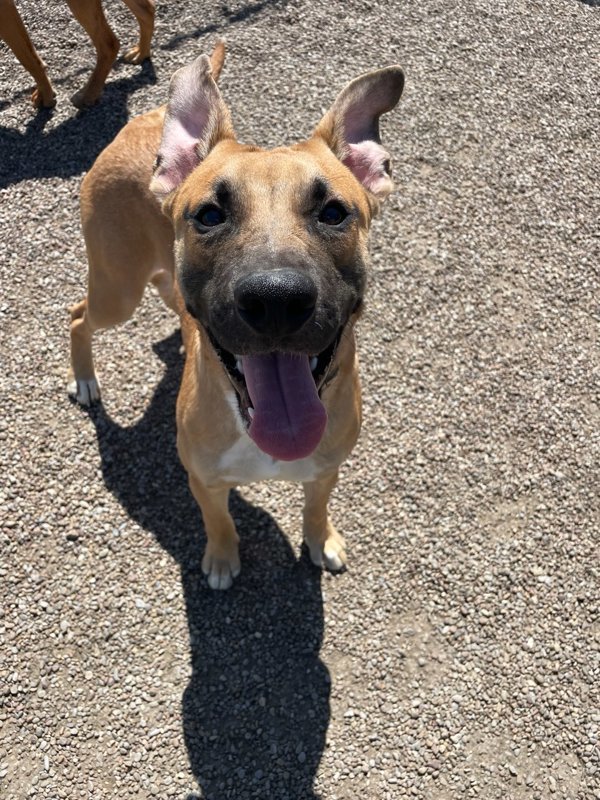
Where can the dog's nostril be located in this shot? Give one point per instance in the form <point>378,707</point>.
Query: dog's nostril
<point>278,302</point>
<point>251,305</point>
<point>253,312</point>
<point>300,309</point>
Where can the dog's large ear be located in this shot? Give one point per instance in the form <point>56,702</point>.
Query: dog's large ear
<point>351,127</point>
<point>195,120</point>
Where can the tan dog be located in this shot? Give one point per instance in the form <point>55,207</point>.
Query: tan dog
<point>90,16</point>
<point>270,263</point>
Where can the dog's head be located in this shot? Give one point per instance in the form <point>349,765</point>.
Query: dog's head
<point>271,245</point>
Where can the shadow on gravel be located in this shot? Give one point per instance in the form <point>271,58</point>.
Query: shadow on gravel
<point>256,710</point>
<point>230,17</point>
<point>71,147</point>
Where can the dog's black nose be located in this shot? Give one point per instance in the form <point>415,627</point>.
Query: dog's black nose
<point>277,302</point>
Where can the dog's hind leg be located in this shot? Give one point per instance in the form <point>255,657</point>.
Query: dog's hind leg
<point>112,298</point>
<point>83,384</point>
<point>14,33</point>
<point>164,282</point>
<point>91,17</point>
<point>144,13</point>
<point>325,544</point>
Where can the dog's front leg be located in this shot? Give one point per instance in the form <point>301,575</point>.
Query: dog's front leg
<point>325,544</point>
<point>221,562</point>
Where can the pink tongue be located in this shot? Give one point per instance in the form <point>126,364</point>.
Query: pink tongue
<point>289,419</point>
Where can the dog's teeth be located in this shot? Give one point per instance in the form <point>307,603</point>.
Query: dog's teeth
<point>239,366</point>
<point>250,412</point>
<point>313,363</point>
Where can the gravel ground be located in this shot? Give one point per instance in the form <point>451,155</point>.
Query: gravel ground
<point>459,655</point>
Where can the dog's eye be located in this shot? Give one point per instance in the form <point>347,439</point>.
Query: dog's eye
<point>210,216</point>
<point>333,213</point>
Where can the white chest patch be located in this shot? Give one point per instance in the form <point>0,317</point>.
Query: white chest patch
<point>245,463</point>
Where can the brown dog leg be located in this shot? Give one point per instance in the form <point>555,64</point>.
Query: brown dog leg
<point>165,284</point>
<point>112,298</point>
<point>14,33</point>
<point>91,17</point>
<point>83,384</point>
<point>326,545</point>
<point>221,562</point>
<point>144,13</point>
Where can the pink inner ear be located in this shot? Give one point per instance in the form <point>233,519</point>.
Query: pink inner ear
<point>193,97</point>
<point>178,157</point>
<point>366,162</point>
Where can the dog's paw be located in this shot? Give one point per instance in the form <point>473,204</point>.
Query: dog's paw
<point>220,570</point>
<point>85,392</point>
<point>85,98</point>
<point>331,553</point>
<point>136,55</point>
<point>46,99</point>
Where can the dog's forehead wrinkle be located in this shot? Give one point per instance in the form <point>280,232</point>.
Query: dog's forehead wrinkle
<point>284,178</point>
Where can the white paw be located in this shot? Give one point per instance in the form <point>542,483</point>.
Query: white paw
<point>85,392</point>
<point>220,571</point>
<point>331,554</point>
<point>334,557</point>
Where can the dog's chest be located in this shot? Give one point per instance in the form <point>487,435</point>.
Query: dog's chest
<point>243,462</point>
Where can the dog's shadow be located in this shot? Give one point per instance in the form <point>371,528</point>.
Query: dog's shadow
<point>256,710</point>
<point>71,147</point>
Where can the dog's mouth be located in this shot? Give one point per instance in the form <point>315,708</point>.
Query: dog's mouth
<point>279,399</point>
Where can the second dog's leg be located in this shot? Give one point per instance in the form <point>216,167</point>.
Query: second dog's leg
<point>14,33</point>
<point>221,562</point>
<point>144,13</point>
<point>325,544</point>
<point>91,17</point>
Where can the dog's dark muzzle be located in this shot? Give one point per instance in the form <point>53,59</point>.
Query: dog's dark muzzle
<point>276,332</point>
